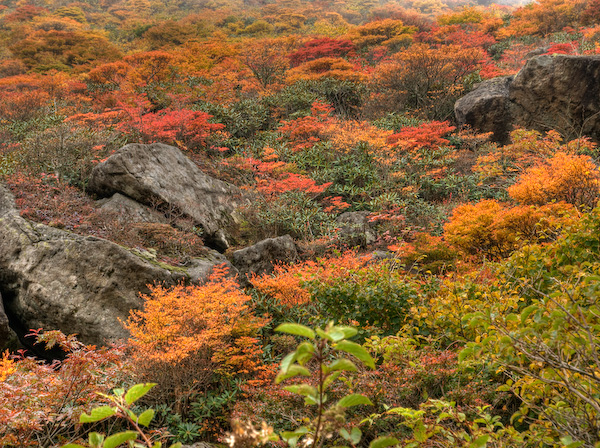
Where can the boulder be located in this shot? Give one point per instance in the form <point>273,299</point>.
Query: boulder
<point>486,108</point>
<point>163,175</point>
<point>127,210</point>
<point>355,228</point>
<point>53,279</point>
<point>262,257</point>
<point>559,92</point>
<point>199,269</point>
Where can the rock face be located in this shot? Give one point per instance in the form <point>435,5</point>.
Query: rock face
<point>53,279</point>
<point>8,338</point>
<point>162,174</point>
<point>262,257</point>
<point>487,108</point>
<point>550,92</point>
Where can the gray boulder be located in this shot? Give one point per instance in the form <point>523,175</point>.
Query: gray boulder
<point>128,210</point>
<point>163,175</point>
<point>559,92</point>
<point>355,228</point>
<point>54,279</point>
<point>199,269</point>
<point>262,257</point>
<point>486,108</point>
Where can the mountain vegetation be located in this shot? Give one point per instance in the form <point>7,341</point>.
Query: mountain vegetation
<point>444,291</point>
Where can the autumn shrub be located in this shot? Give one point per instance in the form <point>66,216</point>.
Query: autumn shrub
<point>321,48</point>
<point>539,328</point>
<point>242,119</point>
<point>40,402</point>
<point>423,79</point>
<point>376,296</point>
<point>171,243</point>
<point>48,200</point>
<point>66,150</point>
<point>490,229</point>
<point>428,254</point>
<point>563,177</point>
<point>193,339</point>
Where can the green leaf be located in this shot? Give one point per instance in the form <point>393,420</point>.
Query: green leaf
<point>355,435</point>
<point>305,390</point>
<point>159,444</point>
<point>287,361</point>
<point>480,442</point>
<point>72,445</point>
<point>419,432</point>
<point>176,445</point>
<point>357,350</point>
<point>384,442</point>
<point>527,311</point>
<point>296,329</point>
<point>336,334</point>
<point>304,352</point>
<point>341,364</point>
<point>97,414</point>
<point>293,371</point>
<point>349,332</point>
<point>138,391</point>
<point>119,438</point>
<point>146,417</point>
<point>353,400</point>
<point>95,439</point>
<point>465,353</point>
<point>324,335</point>
<point>331,378</point>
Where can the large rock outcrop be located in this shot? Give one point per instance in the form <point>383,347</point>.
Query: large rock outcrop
<point>53,279</point>
<point>161,174</point>
<point>550,92</point>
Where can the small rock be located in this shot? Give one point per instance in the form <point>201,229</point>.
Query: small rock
<point>262,257</point>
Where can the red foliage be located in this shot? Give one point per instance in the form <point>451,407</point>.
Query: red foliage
<point>324,47</point>
<point>426,135</point>
<point>565,48</point>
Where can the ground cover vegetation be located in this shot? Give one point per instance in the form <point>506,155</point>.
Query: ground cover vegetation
<point>470,320</point>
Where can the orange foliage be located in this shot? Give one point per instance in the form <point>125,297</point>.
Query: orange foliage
<point>528,147</point>
<point>185,334</point>
<point>563,177</point>
<point>285,284</point>
<point>337,68</point>
<point>388,32</point>
<point>488,228</point>
<point>425,78</point>
<point>40,402</point>
<point>543,17</point>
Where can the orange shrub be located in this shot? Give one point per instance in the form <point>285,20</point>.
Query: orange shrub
<point>285,284</point>
<point>40,402</point>
<point>563,177</point>
<point>187,337</point>
<point>337,68</point>
<point>488,228</point>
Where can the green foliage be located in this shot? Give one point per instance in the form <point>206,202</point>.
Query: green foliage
<point>121,402</point>
<point>325,352</point>
<point>377,297</point>
<point>545,334</point>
